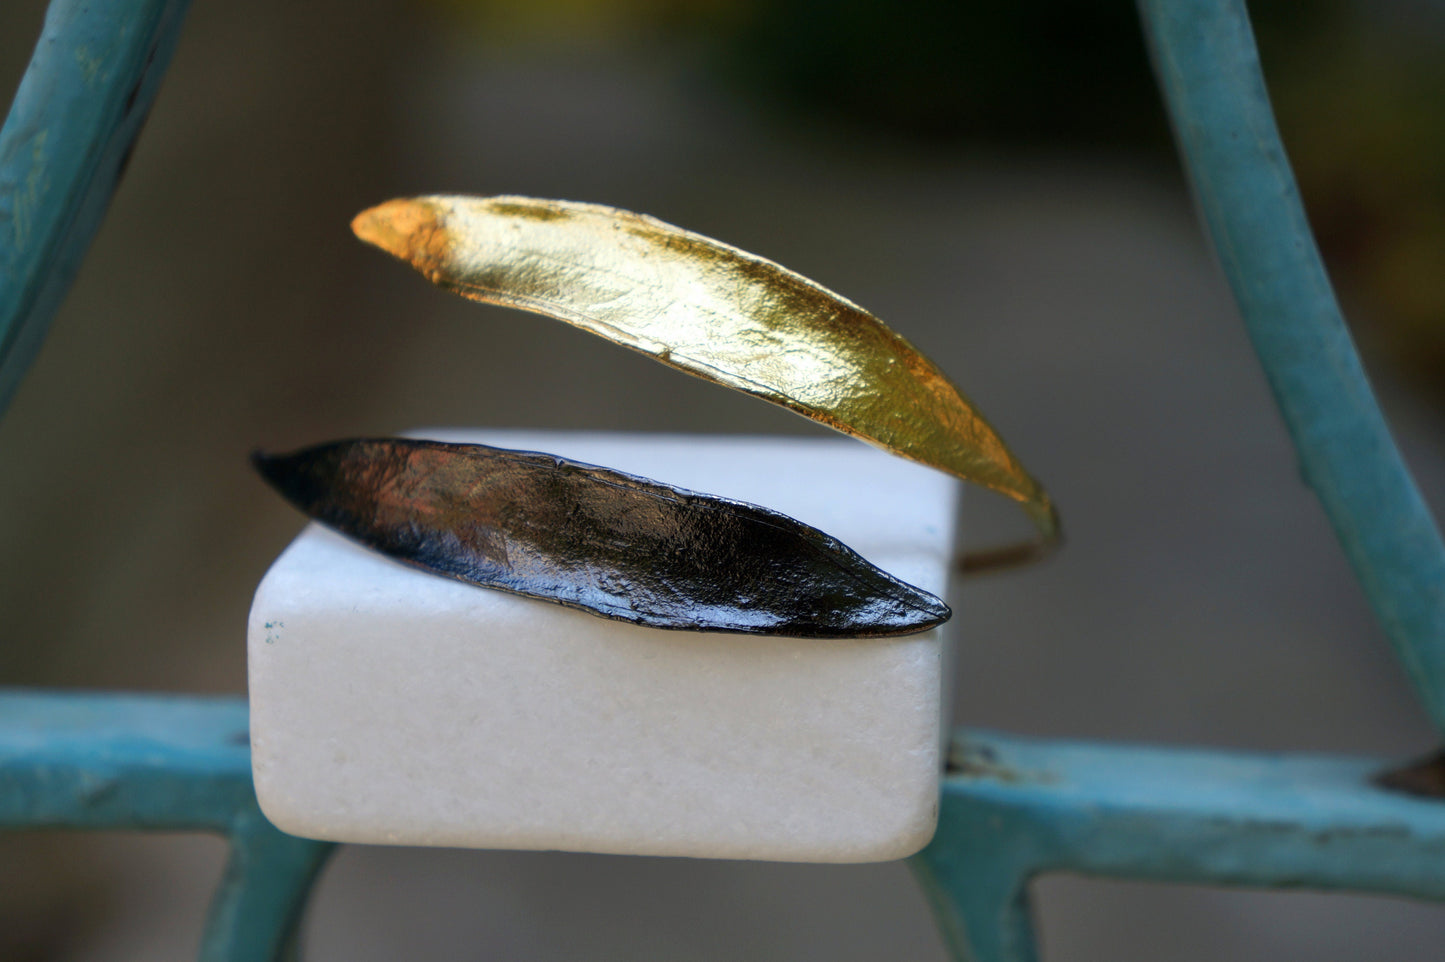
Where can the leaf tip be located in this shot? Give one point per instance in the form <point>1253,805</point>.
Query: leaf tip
<point>930,611</point>
<point>265,464</point>
<point>402,227</point>
<point>298,477</point>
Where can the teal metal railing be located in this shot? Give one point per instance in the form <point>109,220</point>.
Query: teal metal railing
<point>76,116</point>
<point>96,760</point>
<point>103,761</point>
<point>1013,808</point>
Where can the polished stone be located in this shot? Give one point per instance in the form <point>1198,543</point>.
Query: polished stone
<point>393,706</point>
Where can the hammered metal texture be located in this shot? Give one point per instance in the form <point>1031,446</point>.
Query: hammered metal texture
<point>587,537</point>
<point>711,310</point>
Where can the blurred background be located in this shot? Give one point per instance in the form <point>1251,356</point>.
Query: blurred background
<point>995,180</point>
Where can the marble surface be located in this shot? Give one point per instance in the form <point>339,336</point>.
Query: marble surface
<point>392,706</point>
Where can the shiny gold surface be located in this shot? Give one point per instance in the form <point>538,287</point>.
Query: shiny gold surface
<point>714,311</point>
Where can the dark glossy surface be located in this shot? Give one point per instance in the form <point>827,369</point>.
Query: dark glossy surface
<point>609,543</point>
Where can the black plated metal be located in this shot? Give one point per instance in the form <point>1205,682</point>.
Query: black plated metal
<point>609,543</point>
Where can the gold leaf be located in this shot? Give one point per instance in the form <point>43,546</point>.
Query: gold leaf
<point>716,312</point>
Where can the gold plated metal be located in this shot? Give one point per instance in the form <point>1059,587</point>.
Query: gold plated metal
<point>716,312</point>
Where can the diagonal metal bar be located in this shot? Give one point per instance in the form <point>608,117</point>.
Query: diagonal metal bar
<point>1016,807</point>
<point>1208,68</point>
<point>256,913</point>
<point>106,761</point>
<point>63,148</point>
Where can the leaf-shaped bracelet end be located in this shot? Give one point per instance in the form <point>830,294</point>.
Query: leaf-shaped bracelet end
<point>587,537</point>
<point>716,312</point>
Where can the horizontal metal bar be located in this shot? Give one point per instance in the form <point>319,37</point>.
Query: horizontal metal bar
<point>81,760</point>
<point>1016,807</point>
<point>114,761</point>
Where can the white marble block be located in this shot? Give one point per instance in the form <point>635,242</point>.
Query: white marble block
<point>393,706</point>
